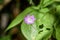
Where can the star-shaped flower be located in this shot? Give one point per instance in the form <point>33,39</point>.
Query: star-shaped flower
<point>29,19</point>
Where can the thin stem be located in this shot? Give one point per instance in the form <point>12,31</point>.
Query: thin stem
<point>31,2</point>
<point>40,4</point>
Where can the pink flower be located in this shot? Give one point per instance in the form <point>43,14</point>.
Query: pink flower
<point>29,19</point>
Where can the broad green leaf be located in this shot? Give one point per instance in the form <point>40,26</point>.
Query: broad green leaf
<point>45,35</point>
<point>30,31</point>
<point>6,38</point>
<point>19,18</point>
<point>47,20</point>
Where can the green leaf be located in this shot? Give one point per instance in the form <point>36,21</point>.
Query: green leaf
<point>47,20</point>
<point>44,10</point>
<point>1,1</point>
<point>40,5</point>
<point>57,29</point>
<point>19,18</point>
<point>30,31</point>
<point>57,0</point>
<point>45,35</point>
<point>58,32</point>
<point>58,9</point>
<point>6,38</point>
<point>47,2</point>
